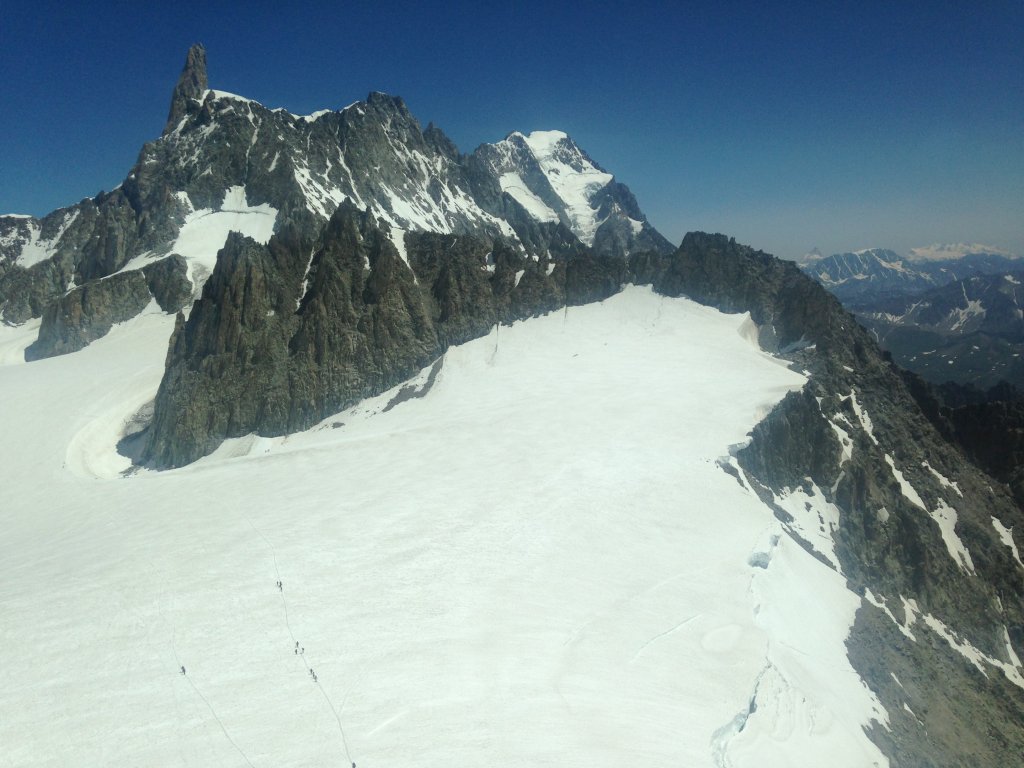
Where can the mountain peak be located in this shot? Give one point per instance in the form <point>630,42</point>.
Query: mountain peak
<point>943,251</point>
<point>883,254</point>
<point>191,85</point>
<point>541,141</point>
<point>379,98</point>
<point>811,256</point>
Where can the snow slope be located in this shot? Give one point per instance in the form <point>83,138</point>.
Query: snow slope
<point>530,558</point>
<point>205,231</point>
<point>573,177</point>
<point>554,180</point>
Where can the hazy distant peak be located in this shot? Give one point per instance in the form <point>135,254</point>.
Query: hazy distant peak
<point>937,251</point>
<point>811,256</point>
<point>885,254</point>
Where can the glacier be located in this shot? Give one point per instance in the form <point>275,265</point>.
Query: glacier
<point>537,559</point>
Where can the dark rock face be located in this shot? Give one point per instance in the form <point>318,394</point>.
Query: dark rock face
<point>992,435</point>
<point>27,292</point>
<point>291,332</point>
<point>230,356</point>
<point>959,716</point>
<point>190,85</point>
<point>85,242</point>
<point>288,333</point>
<point>88,312</point>
<point>167,280</point>
<point>987,426</point>
<point>794,442</point>
<point>713,269</point>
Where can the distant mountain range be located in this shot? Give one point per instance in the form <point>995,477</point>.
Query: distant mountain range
<point>863,277</point>
<point>970,331</point>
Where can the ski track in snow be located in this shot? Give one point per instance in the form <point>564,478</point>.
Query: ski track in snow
<point>539,561</point>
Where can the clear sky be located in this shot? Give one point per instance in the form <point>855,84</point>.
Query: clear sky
<point>841,125</point>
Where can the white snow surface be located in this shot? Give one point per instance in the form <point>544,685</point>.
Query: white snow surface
<point>815,519</point>
<point>1006,536</point>
<point>15,339</point>
<point>38,248</point>
<point>944,481</point>
<point>397,237</point>
<point>906,488</point>
<point>945,516</point>
<point>205,231</point>
<point>513,184</point>
<point>574,178</point>
<point>537,562</point>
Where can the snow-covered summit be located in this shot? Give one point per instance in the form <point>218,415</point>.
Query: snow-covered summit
<point>573,176</point>
<point>374,153</point>
<point>553,180</point>
<point>547,200</point>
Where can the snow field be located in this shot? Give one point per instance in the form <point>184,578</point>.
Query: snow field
<point>575,186</point>
<point>516,187</point>
<point>205,231</point>
<point>15,339</point>
<point>536,562</point>
<point>38,249</point>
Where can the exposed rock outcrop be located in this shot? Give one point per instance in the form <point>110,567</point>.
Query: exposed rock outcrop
<point>88,312</point>
<point>287,333</point>
<point>191,85</point>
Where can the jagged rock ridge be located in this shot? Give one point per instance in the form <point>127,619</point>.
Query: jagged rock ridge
<point>289,332</point>
<point>219,148</point>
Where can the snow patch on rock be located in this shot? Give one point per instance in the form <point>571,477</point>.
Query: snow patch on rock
<point>1006,536</point>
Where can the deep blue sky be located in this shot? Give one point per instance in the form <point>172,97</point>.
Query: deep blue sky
<point>841,125</point>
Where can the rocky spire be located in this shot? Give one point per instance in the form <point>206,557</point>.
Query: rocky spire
<point>190,85</point>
